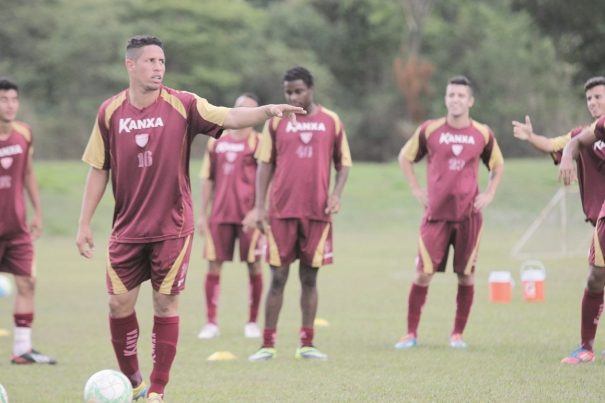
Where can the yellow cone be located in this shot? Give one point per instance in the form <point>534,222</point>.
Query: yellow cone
<point>221,356</point>
<point>4,332</point>
<point>321,322</point>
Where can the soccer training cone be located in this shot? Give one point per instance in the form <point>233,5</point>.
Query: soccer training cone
<point>319,322</point>
<point>222,356</point>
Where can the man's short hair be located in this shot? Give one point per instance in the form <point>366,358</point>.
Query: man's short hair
<point>299,73</point>
<point>250,95</point>
<point>139,41</point>
<point>6,85</point>
<point>594,82</point>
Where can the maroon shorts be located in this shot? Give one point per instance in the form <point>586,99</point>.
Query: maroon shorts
<point>164,262</point>
<point>436,238</point>
<point>597,246</point>
<point>220,243</point>
<point>17,255</point>
<point>293,238</point>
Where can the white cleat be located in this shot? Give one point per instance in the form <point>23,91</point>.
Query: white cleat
<point>251,330</point>
<point>209,331</point>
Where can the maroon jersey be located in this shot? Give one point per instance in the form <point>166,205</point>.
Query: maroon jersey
<point>452,168</point>
<point>598,127</point>
<point>302,154</point>
<point>147,151</point>
<point>591,172</point>
<point>230,164</point>
<point>14,154</point>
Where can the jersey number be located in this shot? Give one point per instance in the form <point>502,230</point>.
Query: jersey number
<point>145,159</point>
<point>304,152</point>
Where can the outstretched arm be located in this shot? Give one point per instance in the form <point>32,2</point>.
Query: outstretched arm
<point>96,182</point>
<point>525,132</point>
<point>410,175</point>
<point>239,118</point>
<point>31,185</point>
<point>206,196</point>
<point>571,152</point>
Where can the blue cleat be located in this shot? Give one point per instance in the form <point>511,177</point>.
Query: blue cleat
<point>407,341</point>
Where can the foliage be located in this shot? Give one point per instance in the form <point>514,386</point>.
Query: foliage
<point>67,57</point>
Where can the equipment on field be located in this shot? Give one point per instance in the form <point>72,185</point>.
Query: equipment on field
<point>500,287</point>
<point>108,386</point>
<point>533,274</point>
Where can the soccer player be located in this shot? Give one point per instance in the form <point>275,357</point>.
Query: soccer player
<point>590,161</point>
<point>297,159</point>
<point>142,137</point>
<point>586,148</point>
<point>16,238</point>
<point>455,145</point>
<point>228,179</point>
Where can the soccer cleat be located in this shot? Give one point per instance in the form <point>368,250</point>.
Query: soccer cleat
<point>456,341</point>
<point>310,353</point>
<point>263,354</point>
<point>33,357</point>
<point>209,331</point>
<point>578,356</point>
<point>251,330</point>
<point>155,398</point>
<point>139,391</point>
<point>407,341</point>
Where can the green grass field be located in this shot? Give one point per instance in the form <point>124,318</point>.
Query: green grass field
<point>514,349</point>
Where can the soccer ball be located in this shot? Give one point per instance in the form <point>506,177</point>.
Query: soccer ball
<point>6,286</point>
<point>108,386</point>
<point>3,395</point>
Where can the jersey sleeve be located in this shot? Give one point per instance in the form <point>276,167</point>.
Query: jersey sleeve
<point>491,155</point>
<point>206,118</point>
<point>598,128</point>
<point>558,144</point>
<point>415,148</point>
<point>342,152</point>
<point>96,153</point>
<point>265,151</point>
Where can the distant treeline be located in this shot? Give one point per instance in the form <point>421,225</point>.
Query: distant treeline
<point>381,64</point>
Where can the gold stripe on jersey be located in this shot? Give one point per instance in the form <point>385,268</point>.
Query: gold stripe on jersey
<point>34,265</point>
<point>473,257</point>
<point>318,256</point>
<point>274,259</point>
<point>264,149</point>
<point>434,125</point>
<point>209,249</point>
<point>117,286</point>
<point>410,148</point>
<point>334,116</point>
<point>427,263</point>
<point>496,159</point>
<point>94,154</point>
<point>346,160</point>
<point>593,127</point>
<point>559,143</point>
<point>112,106</point>
<point>251,258</point>
<point>211,113</point>
<point>175,102</point>
<point>23,130</point>
<point>166,287</point>
<point>483,129</point>
<point>205,170</point>
<point>599,261</point>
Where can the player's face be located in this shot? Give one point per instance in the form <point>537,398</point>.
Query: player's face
<point>298,94</point>
<point>148,68</point>
<point>458,100</point>
<point>9,105</point>
<point>595,101</point>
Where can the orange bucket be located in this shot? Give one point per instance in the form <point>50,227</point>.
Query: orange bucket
<point>533,275</point>
<point>500,287</point>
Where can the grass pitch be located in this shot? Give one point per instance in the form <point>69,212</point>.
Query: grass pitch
<point>514,349</point>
